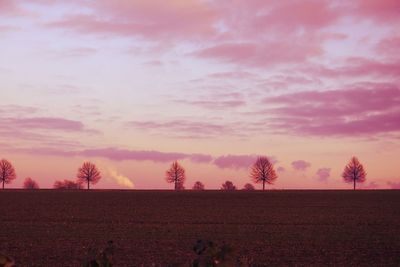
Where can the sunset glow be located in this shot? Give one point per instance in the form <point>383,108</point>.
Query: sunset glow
<point>133,85</point>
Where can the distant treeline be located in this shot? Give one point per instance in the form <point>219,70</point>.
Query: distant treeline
<point>261,172</point>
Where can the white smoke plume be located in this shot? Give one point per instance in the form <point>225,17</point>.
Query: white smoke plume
<point>120,179</point>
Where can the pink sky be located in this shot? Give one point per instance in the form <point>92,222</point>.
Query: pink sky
<point>133,85</point>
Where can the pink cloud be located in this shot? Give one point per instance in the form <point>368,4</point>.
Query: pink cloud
<point>233,75</point>
<point>300,165</point>
<point>337,112</point>
<point>154,19</point>
<point>389,46</point>
<point>237,161</point>
<point>9,8</point>
<point>290,16</point>
<point>323,174</point>
<point>142,155</point>
<point>394,185</point>
<point>359,67</point>
<point>43,123</point>
<point>214,104</point>
<point>261,54</point>
<point>117,154</point>
<point>281,169</point>
<point>182,128</point>
<point>378,10</point>
<point>256,17</point>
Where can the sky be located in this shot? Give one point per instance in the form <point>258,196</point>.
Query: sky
<point>132,85</point>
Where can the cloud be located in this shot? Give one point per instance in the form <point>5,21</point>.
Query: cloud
<point>119,178</point>
<point>323,174</point>
<point>183,128</point>
<point>389,46</point>
<point>214,104</point>
<point>260,54</point>
<point>118,154</point>
<point>348,112</point>
<point>142,155</point>
<point>43,123</point>
<point>359,66</point>
<point>232,75</point>
<point>394,185</point>
<point>155,19</point>
<point>281,169</point>
<point>238,161</point>
<point>384,11</point>
<point>300,165</point>
<point>10,8</point>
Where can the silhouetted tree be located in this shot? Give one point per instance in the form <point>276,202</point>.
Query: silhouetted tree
<point>354,172</point>
<point>29,183</point>
<point>198,186</point>
<point>7,172</point>
<point>67,184</point>
<point>248,187</point>
<point>175,174</point>
<point>263,171</point>
<point>89,174</point>
<point>228,185</point>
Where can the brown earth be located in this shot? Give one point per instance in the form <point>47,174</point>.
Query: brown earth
<point>275,228</point>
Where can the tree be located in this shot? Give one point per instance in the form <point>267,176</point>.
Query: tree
<point>175,174</point>
<point>263,172</point>
<point>67,184</point>
<point>198,186</point>
<point>7,172</point>
<point>228,185</point>
<point>354,172</point>
<point>89,174</point>
<point>29,183</point>
<point>248,187</point>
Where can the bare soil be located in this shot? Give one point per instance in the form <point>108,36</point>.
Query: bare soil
<point>274,228</point>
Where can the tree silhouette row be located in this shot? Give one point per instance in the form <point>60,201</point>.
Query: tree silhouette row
<point>262,171</point>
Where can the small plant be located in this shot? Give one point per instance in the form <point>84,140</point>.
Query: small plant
<point>102,258</point>
<point>6,261</point>
<point>210,254</point>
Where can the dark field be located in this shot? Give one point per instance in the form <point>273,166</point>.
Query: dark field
<point>56,228</point>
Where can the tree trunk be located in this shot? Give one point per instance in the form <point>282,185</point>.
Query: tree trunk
<point>354,184</point>
<point>3,184</point>
<point>263,185</point>
<point>88,185</point>
<point>176,184</point>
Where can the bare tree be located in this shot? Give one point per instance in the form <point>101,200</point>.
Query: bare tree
<point>175,174</point>
<point>354,172</point>
<point>7,172</point>
<point>228,185</point>
<point>198,186</point>
<point>248,187</point>
<point>67,184</point>
<point>89,174</point>
<point>263,172</point>
<point>29,183</point>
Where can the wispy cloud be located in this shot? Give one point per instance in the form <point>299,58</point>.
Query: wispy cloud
<point>347,112</point>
